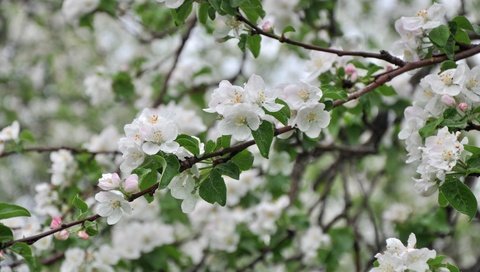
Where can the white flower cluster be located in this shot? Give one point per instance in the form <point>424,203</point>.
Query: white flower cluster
<point>412,30</point>
<point>155,130</point>
<point>399,258</point>
<point>9,133</point>
<point>112,203</point>
<point>63,167</point>
<point>453,88</point>
<point>311,241</point>
<point>243,109</point>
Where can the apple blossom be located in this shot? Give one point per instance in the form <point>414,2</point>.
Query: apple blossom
<point>311,119</point>
<point>109,181</point>
<point>238,121</point>
<point>130,184</point>
<point>112,205</point>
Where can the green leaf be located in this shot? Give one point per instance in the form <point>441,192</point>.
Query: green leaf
<point>243,159</point>
<point>10,210</point>
<point>210,146</point>
<point>254,43</point>
<point>252,9</point>
<point>27,136</point>
<point>263,137</point>
<point>224,141</point>
<point>463,23</point>
<point>430,128</point>
<point>170,170</point>
<point>108,6</point>
<point>439,35</point>
<point>91,228</point>
<point>189,143</point>
<point>146,177</point>
<point>26,252</point>
<point>5,234</point>
<point>448,64</point>
<point>333,92</point>
<point>203,13</point>
<point>442,200</point>
<point>283,114</point>
<point>386,90</point>
<point>288,29</point>
<point>181,13</point>
<point>462,37</point>
<point>460,197</point>
<point>229,169</point>
<point>452,268</point>
<point>475,150</point>
<point>78,203</point>
<point>123,87</point>
<point>213,189</point>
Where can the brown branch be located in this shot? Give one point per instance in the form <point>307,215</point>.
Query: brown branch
<point>178,52</point>
<point>383,55</point>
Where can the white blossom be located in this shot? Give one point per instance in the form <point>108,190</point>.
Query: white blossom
<point>311,119</point>
<point>109,181</point>
<point>112,205</point>
<point>238,121</point>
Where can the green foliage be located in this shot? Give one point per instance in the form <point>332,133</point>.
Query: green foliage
<point>78,203</point>
<point>25,251</point>
<point>181,13</point>
<point>283,114</point>
<point>5,234</point>
<point>460,197</point>
<point>263,137</point>
<point>213,188</point>
<point>189,143</point>
<point>10,210</point>
<point>122,86</point>
<point>253,44</point>
<point>229,169</point>
<point>243,159</point>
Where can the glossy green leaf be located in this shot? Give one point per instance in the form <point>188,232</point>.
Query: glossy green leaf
<point>189,143</point>
<point>243,159</point>
<point>254,44</point>
<point>5,234</point>
<point>460,197</point>
<point>263,137</point>
<point>10,210</point>
<point>213,189</point>
<point>25,251</point>
<point>78,203</point>
<point>229,169</point>
<point>439,35</point>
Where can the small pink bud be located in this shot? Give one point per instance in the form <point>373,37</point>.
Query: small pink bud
<point>131,184</point>
<point>463,106</point>
<point>350,69</point>
<point>62,235</point>
<point>56,222</point>
<point>448,100</point>
<point>266,25</point>
<point>83,235</point>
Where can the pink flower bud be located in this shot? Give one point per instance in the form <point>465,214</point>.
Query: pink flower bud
<point>62,235</point>
<point>83,235</point>
<point>56,222</point>
<point>350,69</point>
<point>463,106</point>
<point>131,184</point>
<point>109,181</point>
<point>266,25</point>
<point>448,100</point>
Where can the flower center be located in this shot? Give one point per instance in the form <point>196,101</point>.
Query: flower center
<point>311,117</point>
<point>237,97</point>
<point>303,94</point>
<point>240,120</point>
<point>157,137</point>
<point>447,78</point>
<point>471,83</point>
<point>423,13</point>
<point>116,204</point>
<point>153,118</point>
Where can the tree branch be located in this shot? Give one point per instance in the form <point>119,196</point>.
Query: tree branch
<point>383,55</point>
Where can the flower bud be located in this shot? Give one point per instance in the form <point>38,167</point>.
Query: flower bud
<point>266,25</point>
<point>62,235</point>
<point>131,184</point>
<point>463,106</point>
<point>83,235</point>
<point>448,100</point>
<point>56,222</point>
<point>109,181</point>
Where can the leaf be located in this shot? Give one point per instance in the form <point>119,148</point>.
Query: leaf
<point>224,141</point>
<point>27,136</point>
<point>26,252</point>
<point>283,114</point>
<point>439,35</point>
<point>475,150</point>
<point>333,92</point>
<point>123,87</point>
<point>189,143</point>
<point>108,6</point>
<point>10,210</point>
<point>288,29</point>
<point>430,128</point>
<point>254,43</point>
<point>386,90</point>
<point>463,23</point>
<point>5,234</point>
<point>78,203</point>
<point>210,146</point>
<point>181,13</point>
<point>462,37</point>
<point>253,9</point>
<point>91,228</point>
<point>203,13</point>
<point>213,189</point>
<point>442,200</point>
<point>243,159</point>
<point>263,137</point>
<point>448,64</point>
<point>229,169</point>
<point>170,170</point>
<point>452,268</point>
<point>460,197</point>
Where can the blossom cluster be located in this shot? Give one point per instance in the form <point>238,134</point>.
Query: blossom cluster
<point>243,108</point>
<point>400,258</point>
<point>457,88</point>
<point>9,133</point>
<point>155,130</point>
<point>413,29</point>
